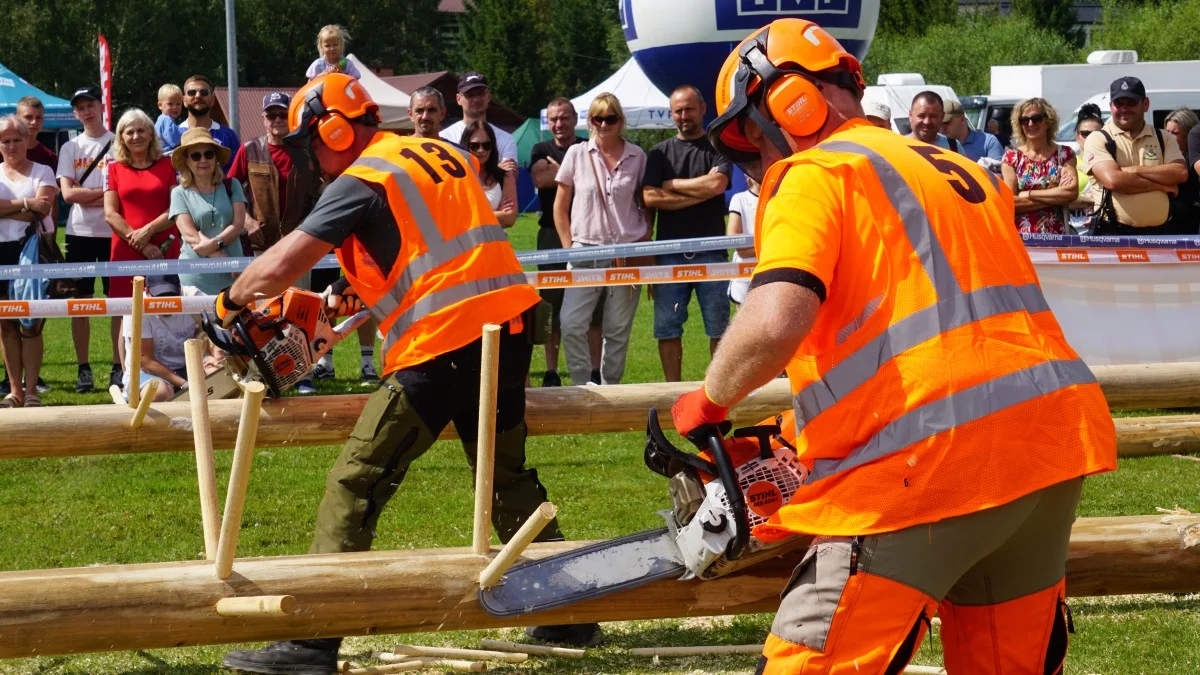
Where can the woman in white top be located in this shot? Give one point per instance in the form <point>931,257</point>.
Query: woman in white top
<point>742,210</point>
<point>499,185</point>
<point>599,202</point>
<point>27,192</point>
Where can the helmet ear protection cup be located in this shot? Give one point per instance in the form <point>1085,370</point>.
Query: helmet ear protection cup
<point>793,97</point>
<point>333,129</point>
<point>325,107</point>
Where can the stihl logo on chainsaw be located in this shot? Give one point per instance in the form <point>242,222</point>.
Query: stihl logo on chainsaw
<point>283,365</point>
<point>764,498</point>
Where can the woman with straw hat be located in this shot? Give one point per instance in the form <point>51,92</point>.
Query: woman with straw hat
<point>209,210</point>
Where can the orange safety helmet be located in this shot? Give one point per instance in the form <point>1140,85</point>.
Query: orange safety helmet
<point>328,103</point>
<point>786,62</point>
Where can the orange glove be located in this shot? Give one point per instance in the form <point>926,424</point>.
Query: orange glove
<point>225,309</point>
<point>694,415</point>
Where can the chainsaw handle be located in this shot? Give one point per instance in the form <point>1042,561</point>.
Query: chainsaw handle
<point>350,325</point>
<point>733,492</point>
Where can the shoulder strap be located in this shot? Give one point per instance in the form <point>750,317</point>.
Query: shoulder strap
<point>1161,148</point>
<point>1109,144</point>
<point>92,166</point>
<point>953,144</point>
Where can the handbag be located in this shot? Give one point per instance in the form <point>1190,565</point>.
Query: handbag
<point>632,261</point>
<point>50,254</point>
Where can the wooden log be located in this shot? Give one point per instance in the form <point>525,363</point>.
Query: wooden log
<point>200,429</point>
<point>1150,385</point>
<point>145,606</point>
<point>135,343</point>
<point>257,605</point>
<point>239,478</point>
<point>705,650</point>
<point>924,670</point>
<point>540,650</point>
<point>530,529</point>
<point>455,653</point>
<point>485,447</point>
<point>147,397</point>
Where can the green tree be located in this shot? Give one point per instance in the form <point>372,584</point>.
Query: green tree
<point>574,59</point>
<point>1058,16</point>
<point>914,17</point>
<point>499,40</point>
<point>961,54</point>
<point>1164,31</point>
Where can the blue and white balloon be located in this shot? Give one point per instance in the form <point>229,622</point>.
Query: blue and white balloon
<point>685,41</point>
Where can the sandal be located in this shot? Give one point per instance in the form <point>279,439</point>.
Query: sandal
<point>33,401</point>
<point>10,401</point>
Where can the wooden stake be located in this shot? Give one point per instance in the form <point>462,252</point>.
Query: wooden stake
<point>533,526</point>
<point>455,653</point>
<point>697,651</point>
<point>541,650</point>
<point>257,605</point>
<point>148,393</point>
<point>134,366</point>
<point>117,396</point>
<point>404,666</point>
<point>239,477</point>
<point>193,351</point>
<point>924,670</point>
<point>1190,458</point>
<point>485,457</point>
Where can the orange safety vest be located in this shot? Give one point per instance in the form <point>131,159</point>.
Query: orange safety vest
<point>456,270</point>
<point>935,381</point>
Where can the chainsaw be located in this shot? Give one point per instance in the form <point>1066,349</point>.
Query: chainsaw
<point>717,496</point>
<point>280,340</point>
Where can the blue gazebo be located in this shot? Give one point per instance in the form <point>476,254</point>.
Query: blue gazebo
<point>13,88</point>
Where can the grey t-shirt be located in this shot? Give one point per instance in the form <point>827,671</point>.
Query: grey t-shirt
<point>352,206</point>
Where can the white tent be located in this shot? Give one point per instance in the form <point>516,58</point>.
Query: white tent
<point>645,106</point>
<point>393,103</point>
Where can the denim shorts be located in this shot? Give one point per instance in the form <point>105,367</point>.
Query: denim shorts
<point>671,300</point>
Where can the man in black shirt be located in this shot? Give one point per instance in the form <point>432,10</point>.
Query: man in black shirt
<point>545,159</point>
<point>686,181</point>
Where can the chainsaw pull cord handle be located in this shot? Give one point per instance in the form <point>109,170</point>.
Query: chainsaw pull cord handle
<point>733,492</point>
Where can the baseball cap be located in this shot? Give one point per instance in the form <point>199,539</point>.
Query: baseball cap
<point>471,80</point>
<point>85,92</point>
<point>953,107</point>
<point>1127,87</point>
<point>875,109</point>
<point>158,286</point>
<point>276,99</point>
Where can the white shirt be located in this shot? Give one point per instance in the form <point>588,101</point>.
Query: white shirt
<point>506,145</point>
<point>40,175</point>
<point>169,332</point>
<point>745,204</point>
<point>73,160</point>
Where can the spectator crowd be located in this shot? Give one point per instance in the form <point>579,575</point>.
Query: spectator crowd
<point>184,186</point>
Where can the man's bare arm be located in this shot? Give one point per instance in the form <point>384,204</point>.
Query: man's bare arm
<point>667,200</point>
<point>703,187</point>
<point>543,173</point>
<point>277,269</point>
<point>1114,179</point>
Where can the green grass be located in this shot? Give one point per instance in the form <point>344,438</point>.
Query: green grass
<point>144,508</point>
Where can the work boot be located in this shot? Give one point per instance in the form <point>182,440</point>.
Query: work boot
<point>595,379</point>
<point>296,657</point>
<point>551,379</point>
<point>574,634</point>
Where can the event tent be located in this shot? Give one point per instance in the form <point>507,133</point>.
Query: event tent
<point>645,106</point>
<point>393,103</point>
<point>13,89</point>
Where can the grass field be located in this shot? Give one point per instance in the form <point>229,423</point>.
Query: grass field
<point>144,508</point>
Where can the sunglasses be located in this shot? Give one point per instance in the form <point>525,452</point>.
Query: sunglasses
<point>610,120</point>
<point>276,115</point>
<point>207,154</point>
<point>198,92</point>
<point>479,145</point>
<point>1036,118</point>
<point>1085,134</point>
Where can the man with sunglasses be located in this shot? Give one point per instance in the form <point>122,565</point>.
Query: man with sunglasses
<point>1139,167</point>
<point>474,96</point>
<point>199,94</point>
<point>944,421</point>
<point>421,250</point>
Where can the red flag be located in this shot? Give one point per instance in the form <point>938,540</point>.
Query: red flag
<point>106,81</point>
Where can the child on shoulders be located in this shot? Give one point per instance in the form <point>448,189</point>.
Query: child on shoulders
<point>331,45</point>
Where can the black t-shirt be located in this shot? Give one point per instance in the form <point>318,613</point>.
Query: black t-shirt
<point>549,150</point>
<point>1192,186</point>
<point>349,206</point>
<point>677,158</point>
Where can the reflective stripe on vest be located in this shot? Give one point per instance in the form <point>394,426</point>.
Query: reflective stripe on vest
<point>953,309</point>
<point>446,297</point>
<point>439,249</point>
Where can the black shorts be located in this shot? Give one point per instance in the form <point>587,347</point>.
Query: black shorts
<point>88,250</point>
<point>10,254</point>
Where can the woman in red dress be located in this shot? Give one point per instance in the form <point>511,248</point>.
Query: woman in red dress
<point>137,196</point>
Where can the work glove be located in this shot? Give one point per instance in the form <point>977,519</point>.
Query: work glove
<point>227,310</point>
<point>696,417</point>
<point>341,299</point>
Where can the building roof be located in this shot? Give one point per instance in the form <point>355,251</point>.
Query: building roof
<point>250,124</point>
<point>452,6</point>
<point>410,83</point>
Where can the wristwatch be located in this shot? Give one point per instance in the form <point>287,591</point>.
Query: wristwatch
<point>24,206</point>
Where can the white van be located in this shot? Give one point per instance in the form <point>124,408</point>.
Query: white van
<point>1162,102</point>
<point>897,91</point>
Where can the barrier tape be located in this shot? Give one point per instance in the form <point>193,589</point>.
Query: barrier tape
<point>579,278</point>
<point>1108,256</point>
<point>1087,241</point>
<point>229,265</point>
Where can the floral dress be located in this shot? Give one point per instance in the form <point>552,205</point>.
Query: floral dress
<point>1044,174</point>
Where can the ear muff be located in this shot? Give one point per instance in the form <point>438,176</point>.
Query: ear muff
<point>333,129</point>
<point>794,99</point>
